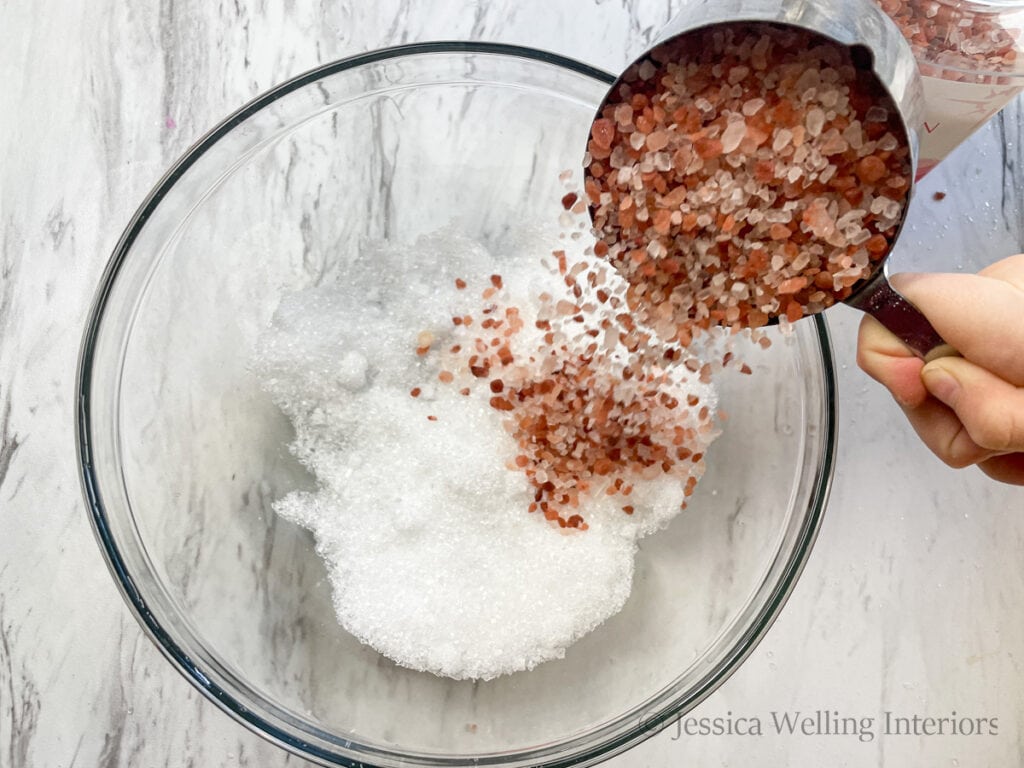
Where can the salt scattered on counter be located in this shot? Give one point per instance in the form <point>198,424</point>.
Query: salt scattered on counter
<point>420,512</point>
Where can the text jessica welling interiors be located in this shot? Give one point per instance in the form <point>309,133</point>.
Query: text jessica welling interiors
<point>823,722</point>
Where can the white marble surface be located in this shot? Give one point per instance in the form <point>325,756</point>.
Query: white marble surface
<point>913,600</point>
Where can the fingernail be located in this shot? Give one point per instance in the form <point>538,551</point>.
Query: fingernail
<point>941,384</point>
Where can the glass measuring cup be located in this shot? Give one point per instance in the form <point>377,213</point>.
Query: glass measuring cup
<point>969,53</point>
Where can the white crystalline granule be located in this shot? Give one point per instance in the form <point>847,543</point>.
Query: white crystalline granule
<point>433,558</point>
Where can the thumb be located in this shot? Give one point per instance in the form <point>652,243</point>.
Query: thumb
<point>991,409</point>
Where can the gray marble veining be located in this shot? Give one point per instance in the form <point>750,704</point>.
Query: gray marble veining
<point>911,602</point>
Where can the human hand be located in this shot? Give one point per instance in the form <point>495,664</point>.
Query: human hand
<point>970,409</point>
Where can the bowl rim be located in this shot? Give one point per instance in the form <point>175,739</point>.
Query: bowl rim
<point>602,748</point>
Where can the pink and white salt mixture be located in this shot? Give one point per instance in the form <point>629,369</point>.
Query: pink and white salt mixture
<point>462,439</point>
<point>492,433</point>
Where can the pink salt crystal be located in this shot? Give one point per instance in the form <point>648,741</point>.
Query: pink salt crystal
<point>834,144</point>
<point>818,220</point>
<point>792,285</point>
<point>732,135</point>
<point>624,115</point>
<point>888,143</point>
<point>657,141</point>
<point>854,135</point>
<point>752,106</point>
<point>737,73</point>
<point>815,121</point>
<point>759,53</point>
<point>619,158</point>
<point>876,114</point>
<point>782,140</point>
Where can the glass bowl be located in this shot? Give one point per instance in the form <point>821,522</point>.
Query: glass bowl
<point>182,454</point>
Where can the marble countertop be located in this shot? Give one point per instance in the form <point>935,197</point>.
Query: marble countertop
<point>912,601</point>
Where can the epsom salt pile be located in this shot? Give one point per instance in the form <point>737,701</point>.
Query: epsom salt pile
<point>489,444</point>
<point>740,176</point>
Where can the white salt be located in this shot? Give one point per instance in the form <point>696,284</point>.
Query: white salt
<point>432,555</point>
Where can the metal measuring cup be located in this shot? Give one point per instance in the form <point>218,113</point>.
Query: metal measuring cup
<point>878,47</point>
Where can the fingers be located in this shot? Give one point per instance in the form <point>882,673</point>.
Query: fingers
<point>944,435</point>
<point>1010,270</point>
<point>981,315</point>
<point>888,361</point>
<point>990,409</point>
<point>970,409</point>
<point>1006,469</point>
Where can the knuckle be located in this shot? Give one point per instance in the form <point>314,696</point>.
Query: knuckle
<point>959,449</point>
<point>956,462</point>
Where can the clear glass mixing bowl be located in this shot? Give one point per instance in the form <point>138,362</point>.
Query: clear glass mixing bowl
<point>182,454</point>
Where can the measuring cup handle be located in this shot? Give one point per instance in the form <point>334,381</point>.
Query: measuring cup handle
<point>884,303</point>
